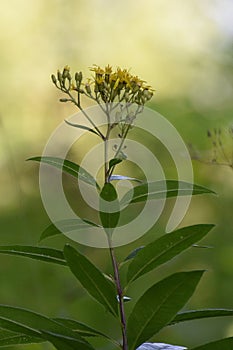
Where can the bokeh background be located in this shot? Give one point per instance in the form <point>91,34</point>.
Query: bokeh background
<point>184,50</point>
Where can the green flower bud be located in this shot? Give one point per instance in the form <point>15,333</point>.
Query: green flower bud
<point>66,72</point>
<point>78,77</point>
<point>63,100</point>
<point>88,89</point>
<point>54,80</point>
<point>59,77</point>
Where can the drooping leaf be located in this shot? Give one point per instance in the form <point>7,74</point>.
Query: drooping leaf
<point>197,314</point>
<point>79,327</point>
<point>11,338</point>
<point>79,126</point>
<point>109,208</point>
<point>165,248</point>
<point>222,344</point>
<point>38,253</point>
<point>68,167</point>
<point>158,306</point>
<point>114,161</point>
<point>30,323</point>
<point>84,330</point>
<point>92,279</point>
<point>62,342</point>
<point>122,177</point>
<point>162,189</point>
<point>160,346</point>
<point>66,226</point>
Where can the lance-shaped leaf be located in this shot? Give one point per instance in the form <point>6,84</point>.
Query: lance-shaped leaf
<point>8,338</point>
<point>92,279</point>
<point>162,189</point>
<point>222,344</point>
<point>65,342</point>
<point>134,253</point>
<point>30,323</point>
<point>66,226</point>
<point>158,306</point>
<point>109,208</point>
<point>79,126</point>
<point>198,314</point>
<point>79,327</point>
<point>68,167</point>
<point>38,253</point>
<point>84,330</point>
<point>165,248</point>
<point>114,161</point>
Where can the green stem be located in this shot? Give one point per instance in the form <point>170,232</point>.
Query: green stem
<point>85,114</point>
<point>119,290</point>
<point>120,295</point>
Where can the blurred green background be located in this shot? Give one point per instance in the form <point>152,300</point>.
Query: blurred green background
<point>184,50</point>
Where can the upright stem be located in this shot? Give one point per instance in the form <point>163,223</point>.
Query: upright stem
<point>119,290</point>
<point>119,295</point>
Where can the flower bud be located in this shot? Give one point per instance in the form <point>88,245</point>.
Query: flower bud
<point>66,72</point>
<point>78,77</point>
<point>54,80</point>
<point>88,89</point>
<point>59,77</point>
<point>63,100</point>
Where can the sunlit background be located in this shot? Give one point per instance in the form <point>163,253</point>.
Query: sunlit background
<point>184,50</point>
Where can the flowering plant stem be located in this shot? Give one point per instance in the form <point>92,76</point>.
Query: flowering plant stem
<point>114,262</point>
<point>119,295</point>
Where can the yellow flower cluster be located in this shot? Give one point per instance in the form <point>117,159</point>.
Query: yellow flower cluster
<point>120,85</point>
<point>106,85</point>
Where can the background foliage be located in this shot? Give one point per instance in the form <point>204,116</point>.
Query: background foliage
<point>183,50</point>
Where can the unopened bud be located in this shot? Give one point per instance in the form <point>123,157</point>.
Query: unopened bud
<point>88,89</point>
<point>54,80</point>
<point>78,77</point>
<point>147,94</point>
<point>63,100</point>
<point>59,77</point>
<point>66,72</point>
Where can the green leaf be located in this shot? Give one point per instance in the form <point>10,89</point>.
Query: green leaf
<point>68,167</point>
<point>222,344</point>
<point>122,177</point>
<point>81,328</point>
<point>66,226</point>
<point>162,189</point>
<point>65,342</point>
<point>165,248</point>
<point>92,279</point>
<point>198,314</point>
<point>79,126</point>
<point>38,253</point>
<point>11,338</point>
<point>84,330</point>
<point>158,306</point>
<point>134,253</point>
<point>30,323</point>
<point>109,208</point>
<point>114,162</point>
